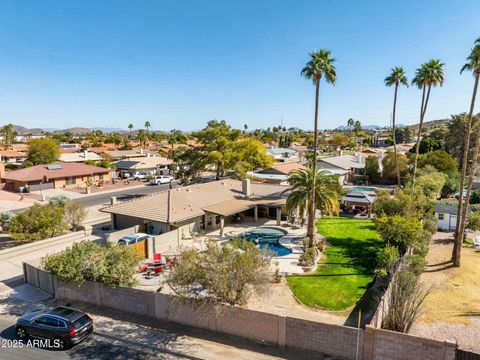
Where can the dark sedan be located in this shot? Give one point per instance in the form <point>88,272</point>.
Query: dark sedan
<point>62,327</point>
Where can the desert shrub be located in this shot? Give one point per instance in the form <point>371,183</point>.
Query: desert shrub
<point>5,220</point>
<point>473,221</point>
<point>75,214</point>
<point>85,261</point>
<point>308,257</point>
<point>405,302</point>
<point>387,257</point>
<point>221,274</point>
<point>38,222</point>
<point>59,200</point>
<point>415,263</point>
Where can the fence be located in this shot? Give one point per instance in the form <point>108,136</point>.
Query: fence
<point>278,329</point>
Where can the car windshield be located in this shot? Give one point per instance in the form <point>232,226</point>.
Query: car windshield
<point>129,238</point>
<point>80,322</point>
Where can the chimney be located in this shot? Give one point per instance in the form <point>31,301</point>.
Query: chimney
<point>359,158</point>
<point>85,154</point>
<point>141,151</point>
<point>246,187</point>
<point>113,200</point>
<point>2,169</point>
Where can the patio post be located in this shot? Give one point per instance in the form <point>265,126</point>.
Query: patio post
<point>279,216</point>
<point>222,224</point>
<point>255,213</point>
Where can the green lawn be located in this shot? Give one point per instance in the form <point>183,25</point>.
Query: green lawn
<point>345,273</point>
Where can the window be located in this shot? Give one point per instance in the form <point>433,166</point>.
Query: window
<point>440,216</point>
<point>100,177</point>
<point>47,321</point>
<point>70,180</point>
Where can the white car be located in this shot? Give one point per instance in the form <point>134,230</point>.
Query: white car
<point>476,241</point>
<point>163,179</point>
<point>140,175</point>
<point>132,239</point>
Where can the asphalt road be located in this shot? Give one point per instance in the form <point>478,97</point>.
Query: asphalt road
<point>101,199</point>
<point>97,346</point>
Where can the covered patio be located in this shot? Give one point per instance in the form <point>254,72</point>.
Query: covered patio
<point>237,211</point>
<point>358,203</point>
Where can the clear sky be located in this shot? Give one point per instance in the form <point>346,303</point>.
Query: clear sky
<point>180,63</point>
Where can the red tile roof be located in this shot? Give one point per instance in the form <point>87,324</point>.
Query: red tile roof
<point>38,172</point>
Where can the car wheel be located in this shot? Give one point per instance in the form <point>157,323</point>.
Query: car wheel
<point>60,344</point>
<point>21,333</point>
<point>122,243</point>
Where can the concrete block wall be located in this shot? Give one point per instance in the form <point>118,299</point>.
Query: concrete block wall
<point>336,341</point>
<point>383,344</point>
<point>333,340</point>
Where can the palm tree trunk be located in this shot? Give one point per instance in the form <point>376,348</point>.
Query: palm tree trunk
<point>463,207</point>
<point>419,135</point>
<point>394,139</point>
<point>311,215</point>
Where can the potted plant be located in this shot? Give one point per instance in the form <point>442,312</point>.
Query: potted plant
<point>307,259</point>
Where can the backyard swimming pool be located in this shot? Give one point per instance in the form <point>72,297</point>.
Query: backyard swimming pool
<point>267,239</point>
<point>357,189</point>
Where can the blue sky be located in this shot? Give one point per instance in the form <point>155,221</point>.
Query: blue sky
<point>179,63</point>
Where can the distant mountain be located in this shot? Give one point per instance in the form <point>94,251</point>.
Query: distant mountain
<point>107,130</point>
<point>74,130</point>
<point>364,127</point>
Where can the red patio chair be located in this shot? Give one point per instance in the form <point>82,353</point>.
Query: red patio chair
<point>157,258</point>
<point>142,267</point>
<point>157,270</point>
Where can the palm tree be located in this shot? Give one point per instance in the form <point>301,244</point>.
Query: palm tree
<point>300,194</point>
<point>147,125</point>
<point>321,64</point>
<point>427,76</point>
<point>350,123</point>
<point>130,127</point>
<point>473,64</point>
<point>397,77</point>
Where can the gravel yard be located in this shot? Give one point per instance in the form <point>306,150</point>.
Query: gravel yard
<point>452,309</point>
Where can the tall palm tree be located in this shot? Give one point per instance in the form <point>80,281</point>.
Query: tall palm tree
<point>473,65</point>
<point>147,125</point>
<point>321,64</point>
<point>326,195</point>
<point>427,76</point>
<point>350,123</point>
<point>130,127</point>
<point>396,78</point>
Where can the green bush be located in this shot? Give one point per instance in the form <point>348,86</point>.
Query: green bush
<point>416,263</point>
<point>386,259</point>
<point>38,222</point>
<point>430,223</point>
<point>399,231</point>
<point>85,261</point>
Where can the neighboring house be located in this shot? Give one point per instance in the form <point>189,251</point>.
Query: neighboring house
<point>53,176</point>
<point>126,154</point>
<point>277,173</point>
<point>79,157</point>
<point>70,147</point>
<point>447,217</point>
<point>155,165</point>
<point>402,149</point>
<point>302,150</point>
<point>348,167</point>
<point>283,154</point>
<point>12,157</point>
<point>200,207</point>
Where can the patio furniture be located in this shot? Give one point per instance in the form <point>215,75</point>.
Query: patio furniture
<point>157,270</point>
<point>142,267</point>
<point>157,258</point>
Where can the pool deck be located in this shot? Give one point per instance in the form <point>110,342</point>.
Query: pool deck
<point>293,240</point>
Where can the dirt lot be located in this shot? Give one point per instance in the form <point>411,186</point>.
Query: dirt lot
<point>452,309</point>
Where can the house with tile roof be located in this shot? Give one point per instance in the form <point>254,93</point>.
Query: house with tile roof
<point>54,176</point>
<point>347,167</point>
<point>277,173</point>
<point>200,207</point>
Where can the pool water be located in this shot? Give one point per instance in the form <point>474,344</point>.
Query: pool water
<point>357,189</point>
<point>267,239</point>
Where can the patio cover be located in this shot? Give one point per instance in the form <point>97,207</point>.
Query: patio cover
<point>229,207</point>
<point>360,198</point>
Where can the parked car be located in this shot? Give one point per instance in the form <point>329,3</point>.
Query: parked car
<point>162,179</point>
<point>132,239</point>
<point>63,326</point>
<point>476,242</point>
<point>124,174</point>
<point>138,175</point>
